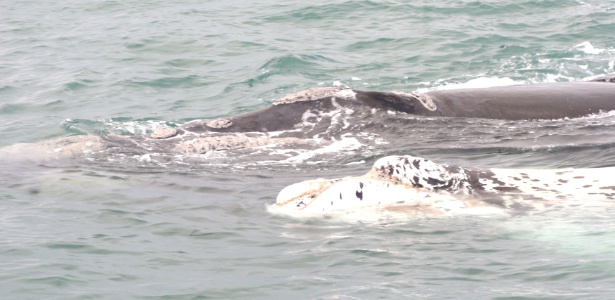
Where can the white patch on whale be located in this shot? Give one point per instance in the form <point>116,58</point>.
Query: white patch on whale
<point>66,147</point>
<point>205,144</point>
<point>164,133</point>
<point>220,123</point>
<point>317,93</point>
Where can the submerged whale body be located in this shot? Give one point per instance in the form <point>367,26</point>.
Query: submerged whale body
<point>413,185</point>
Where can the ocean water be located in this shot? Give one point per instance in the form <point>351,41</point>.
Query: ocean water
<point>130,228</point>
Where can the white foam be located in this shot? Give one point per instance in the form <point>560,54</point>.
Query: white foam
<point>343,145</point>
<point>587,48</point>
<point>480,82</point>
<point>134,127</point>
<point>346,94</point>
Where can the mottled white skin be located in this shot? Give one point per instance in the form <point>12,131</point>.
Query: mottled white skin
<point>200,145</point>
<point>339,197</point>
<point>55,149</point>
<point>412,185</point>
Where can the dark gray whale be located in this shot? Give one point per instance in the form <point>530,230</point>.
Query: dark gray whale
<point>517,102</point>
<point>312,113</point>
<point>535,101</point>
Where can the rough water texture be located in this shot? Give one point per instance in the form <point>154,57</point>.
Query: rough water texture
<point>132,224</point>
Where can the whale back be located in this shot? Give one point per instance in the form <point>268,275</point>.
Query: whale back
<point>521,102</point>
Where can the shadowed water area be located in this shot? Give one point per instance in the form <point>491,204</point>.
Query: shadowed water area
<point>137,224</point>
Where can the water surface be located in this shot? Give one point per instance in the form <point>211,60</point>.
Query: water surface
<point>124,228</point>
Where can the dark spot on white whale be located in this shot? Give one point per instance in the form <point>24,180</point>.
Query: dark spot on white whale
<point>519,207</point>
<point>435,181</point>
<point>506,189</point>
<point>608,188</point>
<point>489,175</point>
<point>415,182</point>
<point>359,195</point>
<point>416,163</point>
<point>391,170</point>
<point>496,202</point>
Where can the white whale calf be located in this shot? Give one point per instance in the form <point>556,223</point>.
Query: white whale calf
<point>413,185</point>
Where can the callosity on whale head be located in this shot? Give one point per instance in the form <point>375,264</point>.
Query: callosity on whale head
<point>405,184</point>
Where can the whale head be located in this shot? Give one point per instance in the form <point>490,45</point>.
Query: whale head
<point>395,183</point>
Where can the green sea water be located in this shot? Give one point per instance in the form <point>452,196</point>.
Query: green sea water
<point>131,230</point>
